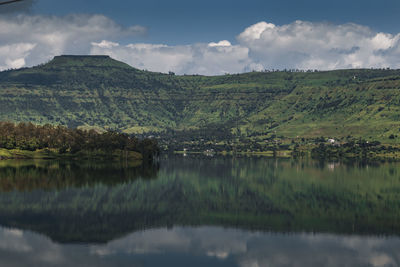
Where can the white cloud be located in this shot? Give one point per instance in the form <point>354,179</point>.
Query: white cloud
<point>307,45</point>
<point>213,58</point>
<point>220,43</point>
<point>13,56</point>
<point>300,45</point>
<point>30,40</point>
<point>105,44</point>
<point>254,32</point>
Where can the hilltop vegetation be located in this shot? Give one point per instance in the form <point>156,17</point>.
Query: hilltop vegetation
<point>99,92</point>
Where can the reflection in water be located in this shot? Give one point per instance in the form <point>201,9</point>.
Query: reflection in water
<point>203,246</point>
<point>55,175</point>
<point>96,203</point>
<point>114,215</point>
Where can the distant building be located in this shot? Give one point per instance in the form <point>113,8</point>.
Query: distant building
<point>331,141</point>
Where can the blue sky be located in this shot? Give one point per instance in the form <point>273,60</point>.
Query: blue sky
<point>209,37</point>
<point>184,21</point>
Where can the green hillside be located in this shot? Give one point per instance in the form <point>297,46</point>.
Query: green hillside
<point>97,91</point>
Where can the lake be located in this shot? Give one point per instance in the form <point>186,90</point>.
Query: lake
<point>200,211</point>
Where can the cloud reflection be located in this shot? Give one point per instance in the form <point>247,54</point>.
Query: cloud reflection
<point>216,245</point>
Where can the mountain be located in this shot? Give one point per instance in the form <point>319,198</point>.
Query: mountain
<point>98,91</point>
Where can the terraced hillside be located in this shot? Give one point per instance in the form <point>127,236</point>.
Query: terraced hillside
<point>97,91</point>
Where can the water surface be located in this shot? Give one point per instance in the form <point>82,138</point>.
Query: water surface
<point>199,211</point>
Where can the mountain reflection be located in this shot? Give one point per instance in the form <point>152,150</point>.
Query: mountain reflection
<point>56,175</point>
<point>97,203</point>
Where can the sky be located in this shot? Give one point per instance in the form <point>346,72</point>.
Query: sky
<point>205,37</point>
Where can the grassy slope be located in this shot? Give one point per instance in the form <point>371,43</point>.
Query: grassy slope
<point>104,93</point>
<point>367,107</point>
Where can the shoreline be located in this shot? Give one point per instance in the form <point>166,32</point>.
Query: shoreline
<point>289,154</point>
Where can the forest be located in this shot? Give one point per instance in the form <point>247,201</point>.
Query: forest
<point>30,137</point>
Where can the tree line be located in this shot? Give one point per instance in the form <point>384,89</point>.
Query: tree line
<point>27,136</point>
